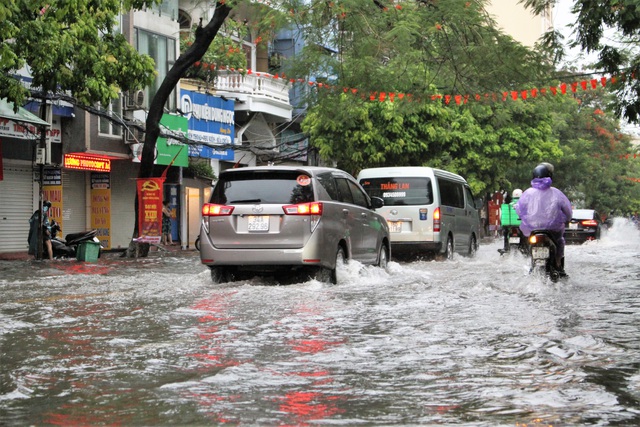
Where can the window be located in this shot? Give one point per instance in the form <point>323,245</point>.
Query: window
<point>163,51</point>
<point>108,127</point>
<point>344,191</point>
<point>451,193</point>
<point>359,198</point>
<point>400,191</point>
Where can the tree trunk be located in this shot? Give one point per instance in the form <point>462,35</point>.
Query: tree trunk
<point>203,39</point>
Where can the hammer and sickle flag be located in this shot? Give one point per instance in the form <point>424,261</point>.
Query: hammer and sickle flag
<point>150,209</point>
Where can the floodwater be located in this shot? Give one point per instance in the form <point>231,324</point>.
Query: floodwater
<point>475,342</point>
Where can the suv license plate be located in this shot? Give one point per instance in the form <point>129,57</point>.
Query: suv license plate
<point>258,223</point>
<point>395,226</point>
<point>540,253</point>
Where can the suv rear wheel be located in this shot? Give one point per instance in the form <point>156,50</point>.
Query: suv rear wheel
<point>383,257</point>
<point>220,275</point>
<point>336,274</point>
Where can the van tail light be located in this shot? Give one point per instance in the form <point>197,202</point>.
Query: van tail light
<point>590,223</point>
<point>211,209</point>
<point>314,208</point>
<point>436,220</point>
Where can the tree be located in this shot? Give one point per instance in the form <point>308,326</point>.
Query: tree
<point>69,47</point>
<point>426,50</point>
<point>616,55</point>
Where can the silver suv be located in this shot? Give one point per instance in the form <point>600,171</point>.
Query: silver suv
<point>274,220</point>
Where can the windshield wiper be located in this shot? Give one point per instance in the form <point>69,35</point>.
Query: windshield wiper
<point>246,201</point>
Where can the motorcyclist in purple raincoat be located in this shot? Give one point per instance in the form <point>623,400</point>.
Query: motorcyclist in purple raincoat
<point>543,207</point>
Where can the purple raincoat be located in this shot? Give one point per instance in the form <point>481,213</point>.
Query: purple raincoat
<point>543,207</point>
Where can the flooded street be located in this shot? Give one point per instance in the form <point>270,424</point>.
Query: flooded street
<point>475,342</point>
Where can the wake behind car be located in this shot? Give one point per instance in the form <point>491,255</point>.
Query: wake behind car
<point>586,224</point>
<point>271,220</point>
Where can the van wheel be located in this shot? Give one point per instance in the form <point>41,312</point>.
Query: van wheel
<point>383,257</point>
<point>220,275</point>
<point>449,250</point>
<point>473,246</point>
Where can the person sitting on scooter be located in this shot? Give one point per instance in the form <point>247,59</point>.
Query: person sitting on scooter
<point>34,222</point>
<point>509,218</point>
<point>543,207</point>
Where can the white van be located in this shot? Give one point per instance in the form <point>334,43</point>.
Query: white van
<point>428,210</point>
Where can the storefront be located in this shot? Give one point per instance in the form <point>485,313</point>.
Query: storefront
<point>19,190</point>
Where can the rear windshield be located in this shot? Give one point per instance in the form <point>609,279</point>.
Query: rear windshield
<point>399,191</point>
<point>580,214</point>
<point>280,187</point>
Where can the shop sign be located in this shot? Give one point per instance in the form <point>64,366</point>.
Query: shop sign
<point>87,162</point>
<point>211,123</point>
<point>101,207</point>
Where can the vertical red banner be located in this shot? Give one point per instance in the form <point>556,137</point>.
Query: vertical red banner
<point>150,209</point>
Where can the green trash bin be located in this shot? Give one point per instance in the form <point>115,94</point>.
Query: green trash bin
<point>88,251</point>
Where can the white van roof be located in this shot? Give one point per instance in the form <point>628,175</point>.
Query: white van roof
<point>415,171</point>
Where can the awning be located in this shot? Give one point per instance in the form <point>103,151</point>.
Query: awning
<point>22,116</point>
<point>60,108</point>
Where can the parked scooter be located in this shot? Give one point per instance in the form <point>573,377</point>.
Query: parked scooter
<point>542,249</point>
<point>68,247</point>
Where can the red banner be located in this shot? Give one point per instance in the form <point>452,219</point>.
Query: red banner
<point>150,210</point>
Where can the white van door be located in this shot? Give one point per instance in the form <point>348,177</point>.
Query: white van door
<point>453,213</point>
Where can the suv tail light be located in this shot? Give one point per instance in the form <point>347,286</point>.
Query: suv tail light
<point>590,223</point>
<point>313,208</point>
<point>211,209</point>
<point>436,220</point>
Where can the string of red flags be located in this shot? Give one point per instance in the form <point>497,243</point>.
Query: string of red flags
<point>447,99</point>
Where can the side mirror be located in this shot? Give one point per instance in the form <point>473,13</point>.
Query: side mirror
<point>377,202</point>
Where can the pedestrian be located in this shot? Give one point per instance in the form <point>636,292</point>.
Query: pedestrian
<point>543,207</point>
<point>34,223</point>
<point>167,239</point>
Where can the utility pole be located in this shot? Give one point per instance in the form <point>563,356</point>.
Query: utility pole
<point>44,154</point>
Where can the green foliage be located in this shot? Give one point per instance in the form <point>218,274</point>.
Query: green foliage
<point>69,46</point>
<point>201,169</point>
<point>617,54</point>
<point>225,52</point>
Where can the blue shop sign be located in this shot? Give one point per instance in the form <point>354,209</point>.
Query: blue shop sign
<point>211,122</point>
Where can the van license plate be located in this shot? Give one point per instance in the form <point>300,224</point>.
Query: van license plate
<point>539,252</point>
<point>258,223</point>
<point>395,226</point>
<point>573,226</point>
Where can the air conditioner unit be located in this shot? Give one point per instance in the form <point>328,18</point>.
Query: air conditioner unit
<point>134,100</point>
<point>134,136</point>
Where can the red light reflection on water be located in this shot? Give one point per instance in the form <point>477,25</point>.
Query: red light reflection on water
<point>72,267</point>
<point>307,406</point>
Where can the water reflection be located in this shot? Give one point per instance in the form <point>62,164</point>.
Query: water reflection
<point>467,342</point>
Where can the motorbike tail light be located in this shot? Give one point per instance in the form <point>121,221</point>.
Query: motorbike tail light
<point>436,220</point>
<point>590,223</point>
<point>533,239</point>
<point>211,209</point>
<point>313,208</point>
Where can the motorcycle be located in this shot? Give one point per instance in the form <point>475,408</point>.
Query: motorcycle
<point>68,247</point>
<point>542,250</point>
<point>514,239</point>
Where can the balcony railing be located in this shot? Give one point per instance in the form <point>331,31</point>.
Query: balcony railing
<point>255,84</point>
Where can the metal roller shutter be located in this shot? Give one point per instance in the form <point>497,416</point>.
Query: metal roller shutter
<point>17,191</point>
<point>74,206</point>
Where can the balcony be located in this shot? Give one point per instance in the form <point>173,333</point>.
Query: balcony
<point>253,93</point>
